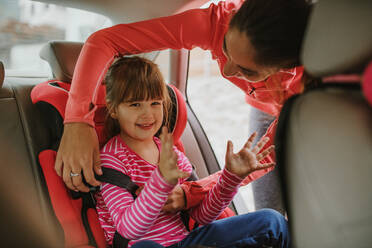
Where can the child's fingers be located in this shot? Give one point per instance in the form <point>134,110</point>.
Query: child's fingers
<point>183,174</point>
<point>250,140</point>
<point>260,144</point>
<point>229,149</point>
<point>264,166</point>
<point>266,152</point>
<point>162,133</point>
<point>166,139</point>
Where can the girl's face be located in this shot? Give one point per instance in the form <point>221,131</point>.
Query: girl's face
<point>139,120</point>
<point>240,58</point>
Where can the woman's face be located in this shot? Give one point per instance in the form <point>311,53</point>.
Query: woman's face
<point>240,58</point>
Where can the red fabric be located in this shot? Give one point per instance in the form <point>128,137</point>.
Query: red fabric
<point>68,210</point>
<point>96,228</point>
<point>47,92</point>
<point>181,119</point>
<point>367,83</point>
<point>64,207</point>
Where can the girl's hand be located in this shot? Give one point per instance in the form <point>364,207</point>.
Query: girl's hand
<point>176,201</point>
<point>247,160</point>
<point>168,159</point>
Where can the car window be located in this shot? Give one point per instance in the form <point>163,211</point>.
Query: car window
<point>222,111</point>
<point>26,25</point>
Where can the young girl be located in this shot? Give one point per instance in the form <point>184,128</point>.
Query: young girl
<point>138,101</point>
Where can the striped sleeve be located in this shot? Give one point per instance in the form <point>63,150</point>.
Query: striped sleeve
<point>217,199</point>
<point>133,218</point>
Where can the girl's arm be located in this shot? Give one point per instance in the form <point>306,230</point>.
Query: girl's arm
<point>238,166</point>
<point>133,218</point>
<point>217,199</point>
<point>195,191</point>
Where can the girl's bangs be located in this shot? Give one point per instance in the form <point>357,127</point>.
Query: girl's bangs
<point>145,90</point>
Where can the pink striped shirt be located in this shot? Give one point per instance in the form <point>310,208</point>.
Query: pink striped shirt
<point>142,219</point>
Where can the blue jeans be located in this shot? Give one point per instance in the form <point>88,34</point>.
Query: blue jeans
<point>263,228</point>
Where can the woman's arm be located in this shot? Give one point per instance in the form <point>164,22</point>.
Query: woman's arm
<point>186,30</point>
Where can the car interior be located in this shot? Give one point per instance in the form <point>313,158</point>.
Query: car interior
<point>323,140</point>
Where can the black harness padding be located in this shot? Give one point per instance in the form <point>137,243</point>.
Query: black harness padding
<point>119,179</point>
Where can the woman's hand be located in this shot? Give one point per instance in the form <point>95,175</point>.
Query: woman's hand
<point>77,153</point>
<point>247,160</point>
<point>168,159</point>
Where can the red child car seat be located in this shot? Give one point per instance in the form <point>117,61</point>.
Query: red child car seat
<point>75,211</point>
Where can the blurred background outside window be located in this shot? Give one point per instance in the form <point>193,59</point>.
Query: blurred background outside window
<point>26,25</point>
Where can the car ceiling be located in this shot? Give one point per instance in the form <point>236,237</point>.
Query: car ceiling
<point>125,11</point>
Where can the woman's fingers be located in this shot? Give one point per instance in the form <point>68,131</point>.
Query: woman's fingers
<point>78,155</point>
<point>97,162</point>
<point>67,177</point>
<point>58,164</point>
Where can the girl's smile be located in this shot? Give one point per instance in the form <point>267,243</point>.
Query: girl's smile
<point>146,126</point>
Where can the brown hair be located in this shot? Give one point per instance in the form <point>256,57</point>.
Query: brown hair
<point>133,79</point>
<point>275,29</point>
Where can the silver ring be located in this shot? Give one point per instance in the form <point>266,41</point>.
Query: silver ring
<point>74,174</point>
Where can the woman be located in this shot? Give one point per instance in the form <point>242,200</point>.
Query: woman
<point>256,44</point>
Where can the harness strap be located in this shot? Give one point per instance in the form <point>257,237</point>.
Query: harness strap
<point>88,202</point>
<point>119,179</point>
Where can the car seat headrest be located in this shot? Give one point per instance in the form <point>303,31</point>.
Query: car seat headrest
<point>338,38</point>
<point>54,93</point>
<point>2,74</point>
<point>62,57</point>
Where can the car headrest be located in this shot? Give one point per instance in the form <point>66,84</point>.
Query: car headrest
<point>54,93</point>
<point>2,74</point>
<point>62,57</point>
<point>338,38</point>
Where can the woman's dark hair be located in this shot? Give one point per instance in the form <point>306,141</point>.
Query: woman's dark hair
<point>275,29</point>
<point>133,79</point>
